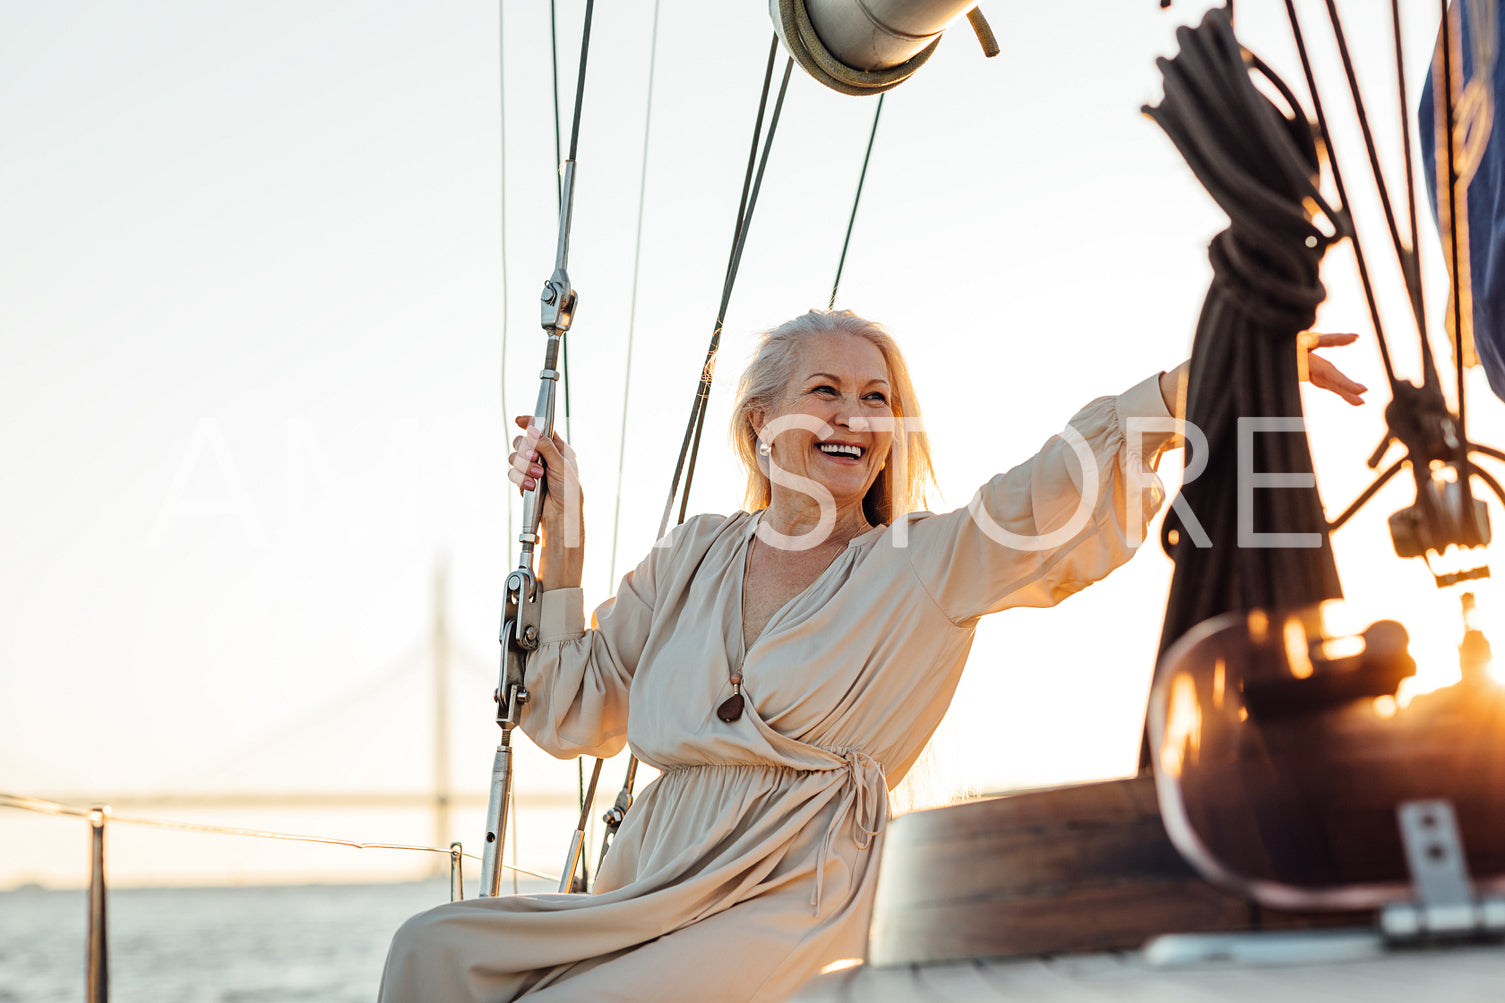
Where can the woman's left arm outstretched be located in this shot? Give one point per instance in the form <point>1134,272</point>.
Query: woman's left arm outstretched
<point>1055,523</point>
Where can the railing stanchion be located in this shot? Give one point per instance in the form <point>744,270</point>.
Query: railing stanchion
<point>456,872</point>
<point>99,945</point>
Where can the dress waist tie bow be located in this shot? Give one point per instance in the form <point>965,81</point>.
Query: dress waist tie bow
<point>865,798</point>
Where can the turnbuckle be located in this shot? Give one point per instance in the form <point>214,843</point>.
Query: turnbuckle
<point>519,635</point>
<point>556,304</point>
<point>557,301</point>
<point>618,811</point>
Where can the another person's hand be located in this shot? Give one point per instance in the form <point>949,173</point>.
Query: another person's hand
<point>1327,376</point>
<point>1319,372</point>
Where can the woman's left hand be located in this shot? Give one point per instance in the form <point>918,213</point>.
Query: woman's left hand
<point>1324,374</point>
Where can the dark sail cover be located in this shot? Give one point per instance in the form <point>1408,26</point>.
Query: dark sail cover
<point>1283,762</point>
<point>1249,530</point>
<point>1480,199</point>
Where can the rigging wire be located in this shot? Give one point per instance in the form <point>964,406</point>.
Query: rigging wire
<point>1457,276</point>
<point>43,807</point>
<point>708,370</point>
<point>564,364</point>
<point>632,310</point>
<point>747,177</point>
<point>1346,222</point>
<point>1412,262</point>
<point>554,78</point>
<point>1368,493</point>
<point>507,416</point>
<point>1403,251</point>
<point>703,390</point>
<point>751,183</point>
<point>1417,415</point>
<point>501,49</point>
<point>564,351</point>
<point>856,200</point>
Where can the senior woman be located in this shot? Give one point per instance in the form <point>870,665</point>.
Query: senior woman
<point>782,667</point>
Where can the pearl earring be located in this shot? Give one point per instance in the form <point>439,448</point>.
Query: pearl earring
<point>764,449</point>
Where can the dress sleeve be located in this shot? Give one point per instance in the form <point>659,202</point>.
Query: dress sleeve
<point>578,680</point>
<point>1056,523</point>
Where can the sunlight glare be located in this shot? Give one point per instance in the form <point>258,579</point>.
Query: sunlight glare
<point>1259,625</point>
<point>1434,645</point>
<point>1337,648</point>
<point>840,965</point>
<point>1296,648</point>
<point>1183,726</point>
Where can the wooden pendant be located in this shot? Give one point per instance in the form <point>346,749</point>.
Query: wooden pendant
<point>731,708</point>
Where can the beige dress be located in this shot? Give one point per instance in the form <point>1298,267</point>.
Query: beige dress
<point>749,864</point>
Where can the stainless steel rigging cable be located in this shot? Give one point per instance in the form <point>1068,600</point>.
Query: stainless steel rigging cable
<point>554,82</point>
<point>1417,416</point>
<point>501,49</point>
<point>507,416</point>
<point>1412,263</point>
<point>856,201</point>
<point>564,352</point>
<point>632,311</point>
<point>1405,252</point>
<point>691,446</point>
<point>1358,247</point>
<point>751,183</point>
<point>45,807</point>
<point>520,619</point>
<point>614,816</point>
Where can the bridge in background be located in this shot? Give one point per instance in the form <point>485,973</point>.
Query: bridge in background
<point>439,798</point>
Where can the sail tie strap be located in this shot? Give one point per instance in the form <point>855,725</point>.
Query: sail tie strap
<point>865,800</point>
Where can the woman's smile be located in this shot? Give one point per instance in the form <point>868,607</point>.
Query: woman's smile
<point>834,425</point>
<point>844,451</point>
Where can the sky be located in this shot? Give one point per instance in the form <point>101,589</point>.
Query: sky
<point>268,270</point>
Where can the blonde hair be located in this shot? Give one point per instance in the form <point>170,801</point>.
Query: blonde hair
<point>900,486</point>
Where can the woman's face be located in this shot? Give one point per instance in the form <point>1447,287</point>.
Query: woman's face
<point>824,428</point>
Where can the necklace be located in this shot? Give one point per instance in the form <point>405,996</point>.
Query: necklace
<point>730,709</point>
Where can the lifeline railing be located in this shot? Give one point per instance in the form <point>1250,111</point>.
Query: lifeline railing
<point>98,978</point>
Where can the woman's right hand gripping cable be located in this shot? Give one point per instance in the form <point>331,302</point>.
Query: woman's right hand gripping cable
<point>551,461</point>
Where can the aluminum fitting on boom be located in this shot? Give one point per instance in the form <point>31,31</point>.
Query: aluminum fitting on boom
<point>868,46</point>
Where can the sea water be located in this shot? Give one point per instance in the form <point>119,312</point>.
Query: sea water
<point>275,944</point>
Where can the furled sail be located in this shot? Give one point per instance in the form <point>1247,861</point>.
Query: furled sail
<point>1248,528</point>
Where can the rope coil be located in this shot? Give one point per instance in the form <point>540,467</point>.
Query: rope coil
<point>1260,167</point>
